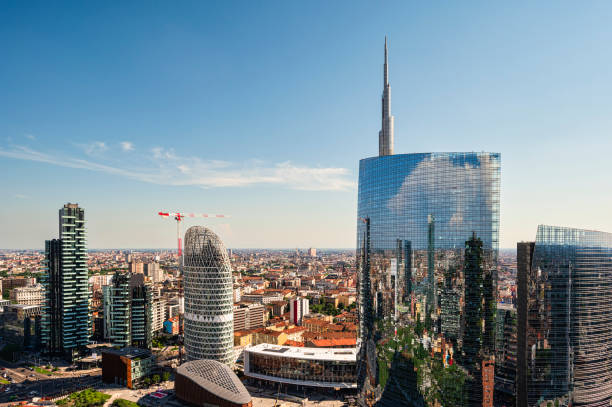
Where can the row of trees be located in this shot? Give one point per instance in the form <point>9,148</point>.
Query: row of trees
<point>329,308</point>
<point>155,379</point>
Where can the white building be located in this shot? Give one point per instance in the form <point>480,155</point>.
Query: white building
<point>159,314</point>
<point>298,307</point>
<point>100,280</point>
<point>209,316</point>
<point>332,368</point>
<point>34,295</point>
<point>154,272</point>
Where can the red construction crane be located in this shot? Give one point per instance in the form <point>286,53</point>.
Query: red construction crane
<point>179,216</point>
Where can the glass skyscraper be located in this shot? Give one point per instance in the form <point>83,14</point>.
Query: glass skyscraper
<point>434,203</point>
<point>428,214</point>
<point>564,286</point>
<point>130,310</point>
<point>209,305</point>
<point>428,236</point>
<point>66,319</point>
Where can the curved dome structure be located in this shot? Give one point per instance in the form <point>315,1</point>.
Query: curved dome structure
<point>208,382</point>
<point>209,315</point>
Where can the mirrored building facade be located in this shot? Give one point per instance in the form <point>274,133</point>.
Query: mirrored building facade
<point>433,203</point>
<point>433,235</point>
<point>564,285</point>
<point>209,311</point>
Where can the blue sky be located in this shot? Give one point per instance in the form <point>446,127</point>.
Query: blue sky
<point>262,110</point>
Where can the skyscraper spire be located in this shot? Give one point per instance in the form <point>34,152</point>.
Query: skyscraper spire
<point>385,135</point>
<point>386,82</point>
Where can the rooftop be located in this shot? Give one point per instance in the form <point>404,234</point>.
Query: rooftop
<point>336,354</point>
<point>130,353</point>
<point>216,378</point>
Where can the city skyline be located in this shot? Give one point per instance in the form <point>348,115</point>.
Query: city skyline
<point>142,117</point>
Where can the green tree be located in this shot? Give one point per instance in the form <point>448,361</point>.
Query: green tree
<point>147,381</point>
<point>449,385</point>
<point>156,379</point>
<point>124,403</point>
<point>165,376</point>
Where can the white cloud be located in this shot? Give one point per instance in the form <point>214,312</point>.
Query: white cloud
<point>95,148</point>
<point>20,196</point>
<point>127,146</point>
<point>167,168</point>
<point>30,137</point>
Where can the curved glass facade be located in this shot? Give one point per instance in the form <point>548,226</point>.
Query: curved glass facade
<point>399,192</point>
<point>209,315</point>
<point>569,315</point>
<point>427,206</point>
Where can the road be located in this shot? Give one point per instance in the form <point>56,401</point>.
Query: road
<point>26,384</point>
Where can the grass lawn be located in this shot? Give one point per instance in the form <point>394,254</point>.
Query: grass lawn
<point>3,381</point>
<point>43,371</point>
<point>85,398</point>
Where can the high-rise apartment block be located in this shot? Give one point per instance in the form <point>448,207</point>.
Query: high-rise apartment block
<point>154,272</point>
<point>66,321</point>
<point>159,313</point>
<point>128,306</point>
<point>298,307</point>
<point>209,317</point>
<point>249,316</point>
<point>564,284</point>
<point>136,267</point>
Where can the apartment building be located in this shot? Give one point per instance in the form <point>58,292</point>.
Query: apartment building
<point>33,295</point>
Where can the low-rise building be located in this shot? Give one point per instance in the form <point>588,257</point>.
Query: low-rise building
<point>31,295</point>
<point>243,338</point>
<point>269,336</point>
<point>210,383</point>
<point>302,366</point>
<point>126,366</point>
<point>171,326</point>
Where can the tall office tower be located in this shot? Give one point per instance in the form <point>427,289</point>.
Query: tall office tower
<point>489,303</point>
<point>479,315</point>
<point>407,270</point>
<point>130,311</point>
<point>402,193</point>
<point>505,355</point>
<point>435,201</point>
<point>298,307</point>
<point>385,135</point>
<point>565,292</point>
<point>366,307</point>
<point>431,304</point>
<point>450,308</point>
<point>524,275</point>
<point>209,318</point>
<point>66,322</point>
<point>473,271</point>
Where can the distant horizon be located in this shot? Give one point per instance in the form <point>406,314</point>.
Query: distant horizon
<point>229,248</point>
